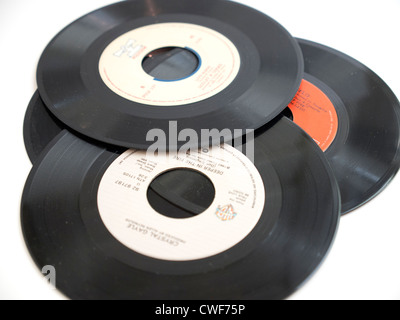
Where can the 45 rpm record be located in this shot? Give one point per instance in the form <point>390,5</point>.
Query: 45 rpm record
<point>40,127</point>
<point>272,222</point>
<point>94,77</point>
<point>354,117</point>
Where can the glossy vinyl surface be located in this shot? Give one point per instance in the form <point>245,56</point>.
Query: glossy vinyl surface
<point>365,155</point>
<point>71,87</point>
<point>40,127</point>
<point>62,227</point>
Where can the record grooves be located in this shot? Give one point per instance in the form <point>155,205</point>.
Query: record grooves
<point>62,227</point>
<point>129,199</point>
<point>40,127</point>
<point>267,60</point>
<point>365,155</point>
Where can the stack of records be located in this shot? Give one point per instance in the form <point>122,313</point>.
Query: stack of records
<point>193,150</point>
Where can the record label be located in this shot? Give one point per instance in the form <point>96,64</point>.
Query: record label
<point>122,71</point>
<point>128,216</point>
<point>314,112</point>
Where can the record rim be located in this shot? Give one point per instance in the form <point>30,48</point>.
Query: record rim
<point>33,109</point>
<point>27,133</point>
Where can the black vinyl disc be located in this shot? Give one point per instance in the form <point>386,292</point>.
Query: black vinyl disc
<point>355,118</point>
<point>40,127</point>
<point>63,226</point>
<point>91,75</point>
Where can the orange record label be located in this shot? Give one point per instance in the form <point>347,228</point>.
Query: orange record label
<point>314,112</point>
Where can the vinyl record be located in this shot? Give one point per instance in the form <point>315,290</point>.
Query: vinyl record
<point>40,127</point>
<point>95,78</point>
<point>85,212</point>
<point>354,117</point>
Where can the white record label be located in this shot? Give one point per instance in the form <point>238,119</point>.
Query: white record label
<point>237,207</point>
<point>121,64</point>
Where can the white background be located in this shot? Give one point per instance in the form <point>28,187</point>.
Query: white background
<point>364,263</point>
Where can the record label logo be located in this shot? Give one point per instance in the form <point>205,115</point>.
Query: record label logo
<point>315,113</point>
<point>121,64</point>
<point>127,214</point>
<point>226,213</point>
<point>131,49</point>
